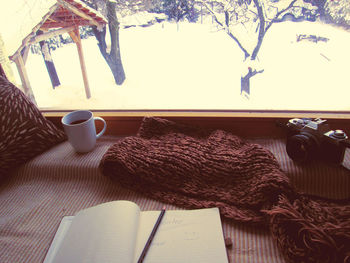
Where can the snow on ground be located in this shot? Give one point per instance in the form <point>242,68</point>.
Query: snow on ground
<point>194,66</point>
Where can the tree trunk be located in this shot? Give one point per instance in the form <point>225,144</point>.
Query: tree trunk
<point>116,60</point>
<point>257,47</point>
<point>245,81</point>
<point>50,66</point>
<point>245,85</point>
<point>113,58</point>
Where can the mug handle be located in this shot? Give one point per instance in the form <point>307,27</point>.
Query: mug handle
<point>104,127</point>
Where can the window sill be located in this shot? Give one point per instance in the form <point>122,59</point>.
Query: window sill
<point>242,123</point>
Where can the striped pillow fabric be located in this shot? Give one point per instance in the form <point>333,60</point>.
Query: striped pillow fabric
<point>24,131</point>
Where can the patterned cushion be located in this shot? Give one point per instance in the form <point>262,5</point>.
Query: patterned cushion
<point>24,131</point>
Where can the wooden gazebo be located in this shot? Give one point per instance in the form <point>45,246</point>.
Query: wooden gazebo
<point>64,16</point>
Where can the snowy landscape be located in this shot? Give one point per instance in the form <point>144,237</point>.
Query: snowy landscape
<point>194,66</point>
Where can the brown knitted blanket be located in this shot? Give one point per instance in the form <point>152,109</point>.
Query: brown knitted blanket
<point>195,168</point>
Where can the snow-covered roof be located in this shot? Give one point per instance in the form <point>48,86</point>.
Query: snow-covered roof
<point>20,20</point>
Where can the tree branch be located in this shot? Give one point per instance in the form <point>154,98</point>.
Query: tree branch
<point>279,13</point>
<point>256,72</point>
<point>261,18</point>
<point>226,28</point>
<point>262,29</point>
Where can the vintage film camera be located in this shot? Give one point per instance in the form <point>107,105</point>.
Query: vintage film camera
<point>312,139</point>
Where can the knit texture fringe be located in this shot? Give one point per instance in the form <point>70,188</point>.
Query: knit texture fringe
<point>195,168</point>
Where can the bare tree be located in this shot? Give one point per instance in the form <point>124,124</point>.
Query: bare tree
<point>110,8</point>
<point>258,15</point>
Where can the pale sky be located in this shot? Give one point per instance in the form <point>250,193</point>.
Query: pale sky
<point>18,18</point>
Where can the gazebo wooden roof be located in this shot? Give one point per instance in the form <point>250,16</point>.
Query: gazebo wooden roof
<point>64,16</point>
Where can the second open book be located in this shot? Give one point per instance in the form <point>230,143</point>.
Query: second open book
<point>117,232</point>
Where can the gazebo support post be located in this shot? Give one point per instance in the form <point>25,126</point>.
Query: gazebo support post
<point>76,38</point>
<point>24,78</point>
<point>24,54</point>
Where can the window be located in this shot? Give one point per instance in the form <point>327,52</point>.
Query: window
<point>224,55</point>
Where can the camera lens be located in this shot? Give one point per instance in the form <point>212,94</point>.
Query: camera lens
<point>302,147</point>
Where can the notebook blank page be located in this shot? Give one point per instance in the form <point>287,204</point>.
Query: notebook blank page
<point>183,236</point>
<point>104,233</point>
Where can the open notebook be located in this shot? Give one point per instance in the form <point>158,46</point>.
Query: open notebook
<point>117,232</point>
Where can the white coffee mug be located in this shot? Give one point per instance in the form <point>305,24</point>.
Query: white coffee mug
<point>80,129</point>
